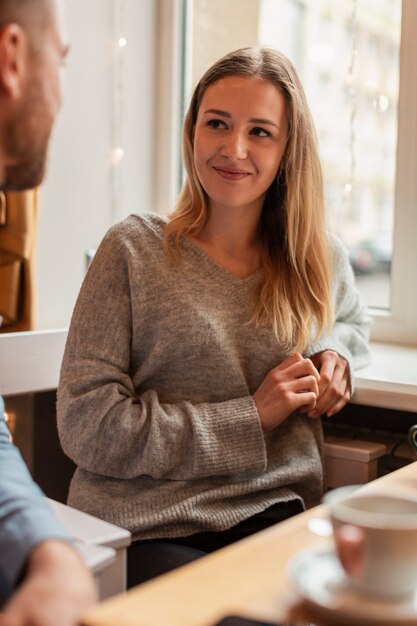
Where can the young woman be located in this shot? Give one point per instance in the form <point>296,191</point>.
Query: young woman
<point>203,346</point>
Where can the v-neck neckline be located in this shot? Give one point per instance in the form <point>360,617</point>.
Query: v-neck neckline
<point>217,270</point>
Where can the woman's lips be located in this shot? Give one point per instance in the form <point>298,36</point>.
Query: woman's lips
<point>230,174</point>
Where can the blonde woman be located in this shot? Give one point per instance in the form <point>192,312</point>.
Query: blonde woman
<point>203,346</point>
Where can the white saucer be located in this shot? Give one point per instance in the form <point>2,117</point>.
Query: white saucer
<point>322,584</point>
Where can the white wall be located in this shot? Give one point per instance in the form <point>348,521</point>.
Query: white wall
<point>76,205</point>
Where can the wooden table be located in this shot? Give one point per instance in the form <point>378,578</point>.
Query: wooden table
<point>247,578</point>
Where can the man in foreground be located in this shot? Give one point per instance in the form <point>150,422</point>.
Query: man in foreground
<point>43,580</point>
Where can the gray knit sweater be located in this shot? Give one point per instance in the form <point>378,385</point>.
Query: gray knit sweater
<point>154,401</point>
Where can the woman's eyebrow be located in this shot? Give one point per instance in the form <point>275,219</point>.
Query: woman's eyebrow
<point>253,120</point>
<point>260,120</point>
<point>217,112</point>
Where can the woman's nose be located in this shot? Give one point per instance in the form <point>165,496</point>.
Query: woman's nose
<point>235,146</point>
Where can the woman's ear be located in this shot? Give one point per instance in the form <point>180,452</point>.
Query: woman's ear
<point>13,59</point>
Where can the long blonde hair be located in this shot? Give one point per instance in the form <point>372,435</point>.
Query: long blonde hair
<point>294,297</point>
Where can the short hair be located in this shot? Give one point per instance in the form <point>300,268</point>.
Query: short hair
<point>296,292</point>
<point>33,16</point>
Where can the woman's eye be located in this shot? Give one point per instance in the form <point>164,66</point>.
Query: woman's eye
<point>216,124</point>
<point>260,132</point>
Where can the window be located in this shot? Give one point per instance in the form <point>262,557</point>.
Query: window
<point>357,62</point>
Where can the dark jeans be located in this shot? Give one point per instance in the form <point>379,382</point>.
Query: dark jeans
<point>147,559</point>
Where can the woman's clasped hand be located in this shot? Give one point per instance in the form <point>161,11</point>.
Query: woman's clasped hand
<point>292,385</point>
<point>315,386</point>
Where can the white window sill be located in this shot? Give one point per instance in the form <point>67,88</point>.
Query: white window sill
<point>390,381</point>
<point>30,362</point>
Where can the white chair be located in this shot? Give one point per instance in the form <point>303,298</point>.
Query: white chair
<point>103,546</point>
<point>98,560</point>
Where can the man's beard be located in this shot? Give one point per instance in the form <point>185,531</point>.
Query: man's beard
<point>25,141</point>
<point>25,175</point>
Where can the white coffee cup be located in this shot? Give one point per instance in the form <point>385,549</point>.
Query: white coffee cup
<point>375,536</point>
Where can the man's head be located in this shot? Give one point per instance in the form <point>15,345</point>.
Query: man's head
<point>32,49</point>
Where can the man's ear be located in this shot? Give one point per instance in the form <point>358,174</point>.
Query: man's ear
<point>14,49</point>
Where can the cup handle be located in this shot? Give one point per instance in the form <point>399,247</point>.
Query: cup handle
<point>412,437</point>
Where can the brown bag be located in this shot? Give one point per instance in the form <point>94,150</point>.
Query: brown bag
<point>18,233</point>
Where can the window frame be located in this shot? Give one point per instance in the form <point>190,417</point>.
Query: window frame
<point>399,324</point>
<point>172,76</point>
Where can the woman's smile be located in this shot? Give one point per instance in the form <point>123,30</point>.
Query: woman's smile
<point>231,174</point>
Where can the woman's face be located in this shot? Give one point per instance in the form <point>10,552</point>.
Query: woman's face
<point>239,140</point>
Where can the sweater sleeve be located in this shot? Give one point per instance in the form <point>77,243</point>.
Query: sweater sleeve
<point>349,336</point>
<point>25,516</point>
<point>108,427</point>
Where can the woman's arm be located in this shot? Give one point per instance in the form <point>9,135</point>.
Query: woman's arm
<point>346,348</point>
<point>349,336</point>
<point>109,428</point>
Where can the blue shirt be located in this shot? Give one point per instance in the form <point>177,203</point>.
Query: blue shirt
<point>25,516</point>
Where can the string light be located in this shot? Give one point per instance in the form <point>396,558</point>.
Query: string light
<point>204,38</point>
<point>350,82</point>
<point>381,103</point>
<point>117,155</point>
<point>347,189</point>
<point>118,108</point>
